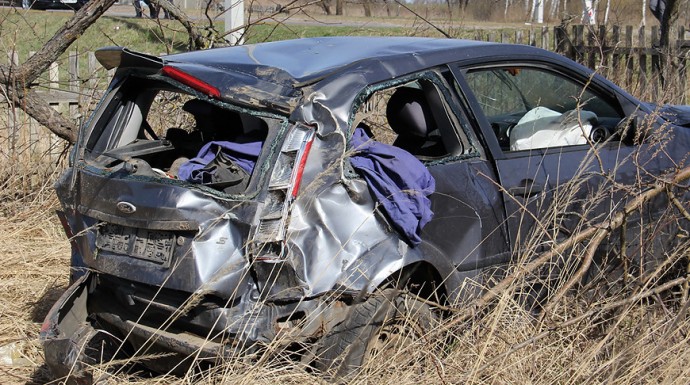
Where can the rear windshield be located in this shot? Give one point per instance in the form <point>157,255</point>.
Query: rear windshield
<point>162,130</point>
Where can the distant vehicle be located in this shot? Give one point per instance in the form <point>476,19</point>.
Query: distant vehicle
<point>219,200</point>
<point>74,5</point>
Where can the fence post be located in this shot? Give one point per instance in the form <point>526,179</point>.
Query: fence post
<point>13,117</point>
<point>561,36</point>
<point>578,31</point>
<point>615,41</point>
<point>604,46</point>
<point>682,64</point>
<point>629,56</point>
<point>655,52</point>
<point>92,65</point>
<point>545,42</point>
<point>591,50</point>
<point>642,58</point>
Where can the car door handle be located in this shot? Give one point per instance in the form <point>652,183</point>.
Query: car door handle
<point>526,188</point>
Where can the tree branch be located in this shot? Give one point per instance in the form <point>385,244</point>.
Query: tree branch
<point>17,81</point>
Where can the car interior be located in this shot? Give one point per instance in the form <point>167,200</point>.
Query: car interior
<point>530,108</point>
<point>412,116</point>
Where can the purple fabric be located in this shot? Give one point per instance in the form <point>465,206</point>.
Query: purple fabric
<point>398,180</point>
<point>243,154</point>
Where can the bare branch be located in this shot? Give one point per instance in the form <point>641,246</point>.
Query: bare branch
<point>30,70</point>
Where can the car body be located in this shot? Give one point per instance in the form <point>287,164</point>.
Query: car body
<point>74,5</point>
<point>309,217</point>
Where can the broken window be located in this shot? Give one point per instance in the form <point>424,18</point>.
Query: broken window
<point>171,133</point>
<point>394,130</point>
<point>531,108</point>
<point>412,116</point>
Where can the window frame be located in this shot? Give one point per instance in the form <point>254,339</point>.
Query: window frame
<point>438,77</point>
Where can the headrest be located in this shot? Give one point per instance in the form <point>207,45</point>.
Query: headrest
<point>212,117</point>
<point>408,112</point>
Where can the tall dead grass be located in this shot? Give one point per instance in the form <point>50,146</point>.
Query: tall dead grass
<point>34,256</point>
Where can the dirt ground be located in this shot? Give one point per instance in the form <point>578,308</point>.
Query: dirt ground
<point>34,255</point>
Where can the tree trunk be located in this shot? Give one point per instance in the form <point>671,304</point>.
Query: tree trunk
<point>339,7</point>
<point>367,8</point>
<point>325,4</point>
<point>16,82</point>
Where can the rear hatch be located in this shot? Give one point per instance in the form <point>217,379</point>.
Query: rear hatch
<point>174,179</point>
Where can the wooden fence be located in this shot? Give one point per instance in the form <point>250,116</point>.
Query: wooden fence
<point>71,87</point>
<point>631,57</point>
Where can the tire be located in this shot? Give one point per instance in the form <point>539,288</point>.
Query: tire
<point>377,328</point>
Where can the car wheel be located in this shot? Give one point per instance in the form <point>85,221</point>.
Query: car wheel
<point>26,4</point>
<point>382,328</point>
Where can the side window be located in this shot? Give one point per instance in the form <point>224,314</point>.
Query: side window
<point>530,108</point>
<point>414,117</point>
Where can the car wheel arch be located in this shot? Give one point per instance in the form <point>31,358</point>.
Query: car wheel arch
<point>419,278</point>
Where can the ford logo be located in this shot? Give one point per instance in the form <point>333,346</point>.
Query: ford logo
<point>126,207</point>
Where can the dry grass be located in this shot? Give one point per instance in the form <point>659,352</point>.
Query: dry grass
<point>613,333</point>
<point>35,263</point>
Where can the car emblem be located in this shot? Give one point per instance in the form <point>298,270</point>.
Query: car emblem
<point>126,207</point>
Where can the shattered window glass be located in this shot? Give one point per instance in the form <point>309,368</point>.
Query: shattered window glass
<point>155,130</point>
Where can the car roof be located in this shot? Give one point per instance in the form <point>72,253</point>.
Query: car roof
<point>275,73</point>
<point>303,61</point>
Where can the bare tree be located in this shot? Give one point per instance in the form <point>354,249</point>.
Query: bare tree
<point>326,6</point>
<point>15,81</point>
<point>367,7</point>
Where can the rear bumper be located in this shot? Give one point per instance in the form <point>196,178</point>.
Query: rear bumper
<point>100,317</point>
<point>65,334</point>
<point>75,338</point>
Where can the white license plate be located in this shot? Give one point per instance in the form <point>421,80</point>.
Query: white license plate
<point>151,245</point>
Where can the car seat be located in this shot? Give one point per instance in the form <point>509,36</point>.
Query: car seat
<point>410,117</point>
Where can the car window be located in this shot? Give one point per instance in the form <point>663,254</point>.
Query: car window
<point>530,108</point>
<point>414,117</point>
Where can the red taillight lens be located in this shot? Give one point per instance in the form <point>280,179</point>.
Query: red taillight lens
<point>191,81</point>
<point>300,167</point>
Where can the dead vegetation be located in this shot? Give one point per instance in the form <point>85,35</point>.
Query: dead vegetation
<point>610,319</point>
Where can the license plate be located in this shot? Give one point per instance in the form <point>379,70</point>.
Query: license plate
<point>151,245</point>
<point>68,1</point>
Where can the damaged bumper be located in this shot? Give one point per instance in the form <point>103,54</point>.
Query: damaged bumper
<point>66,333</point>
<point>100,318</point>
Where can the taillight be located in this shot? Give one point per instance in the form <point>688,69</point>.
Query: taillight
<point>65,225</point>
<point>191,81</point>
<point>301,162</point>
<point>284,184</point>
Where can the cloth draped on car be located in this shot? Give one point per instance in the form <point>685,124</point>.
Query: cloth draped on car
<point>221,162</point>
<point>400,183</point>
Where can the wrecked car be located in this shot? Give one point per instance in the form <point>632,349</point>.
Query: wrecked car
<point>218,200</point>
